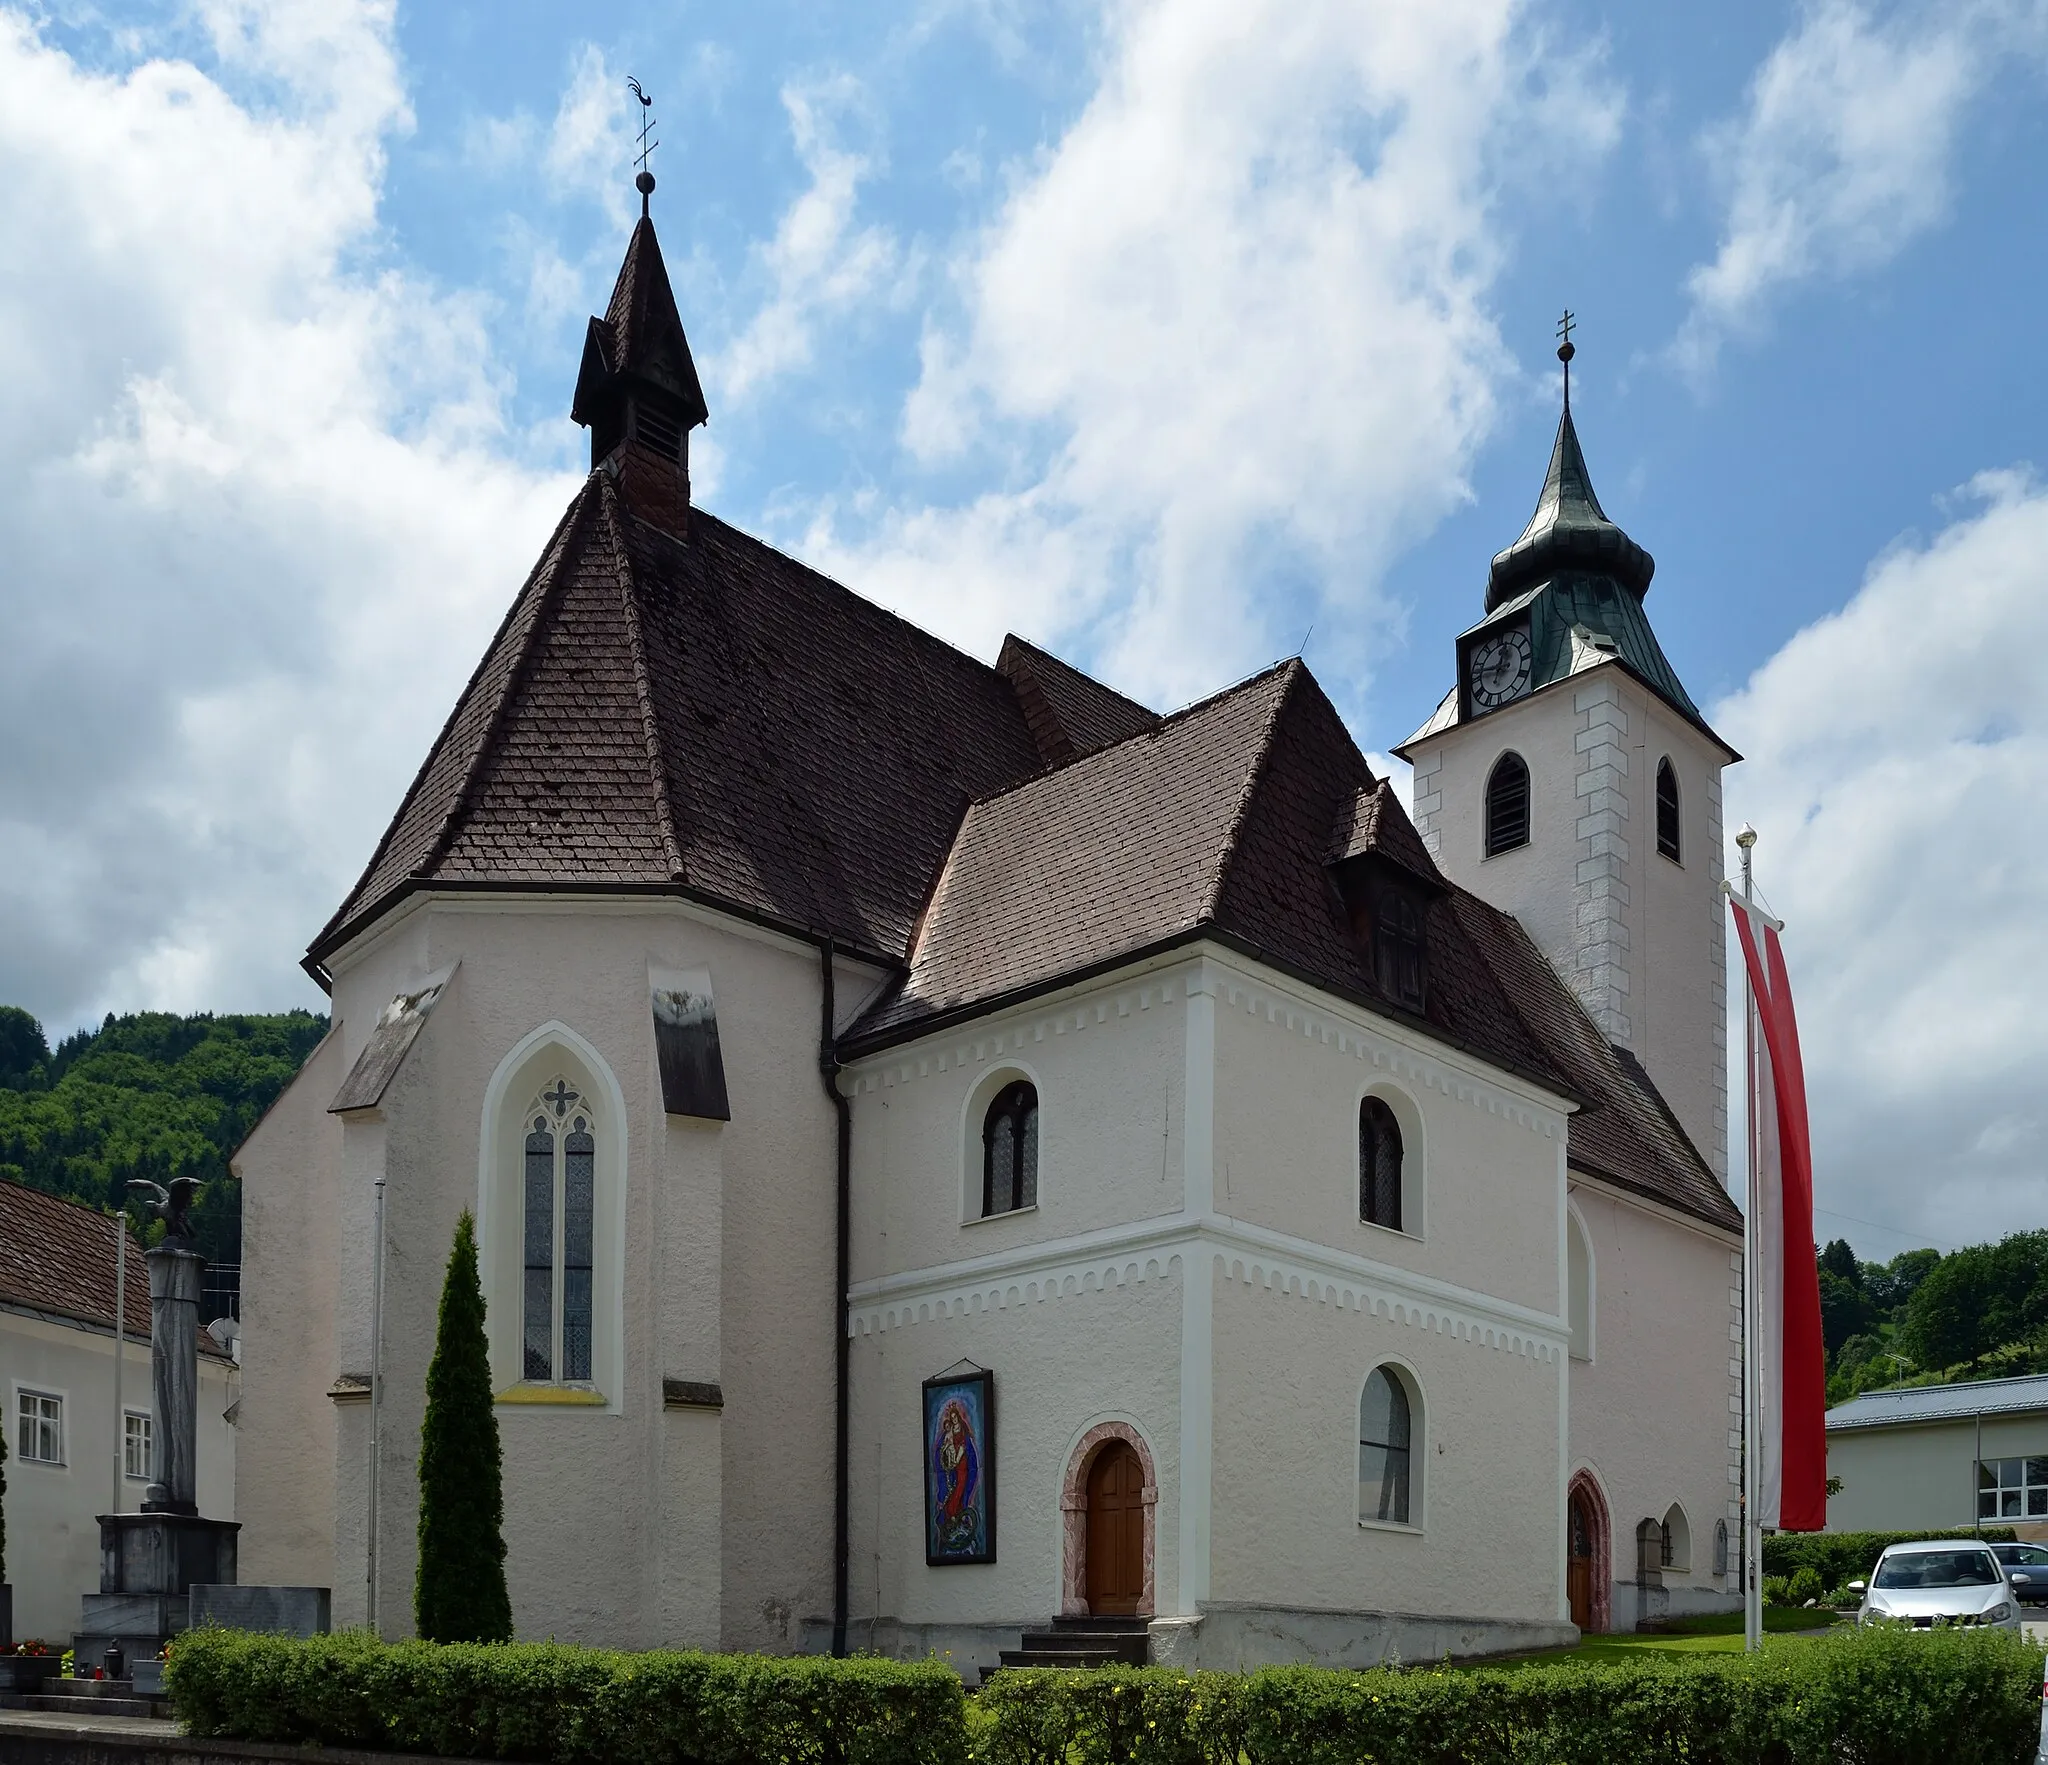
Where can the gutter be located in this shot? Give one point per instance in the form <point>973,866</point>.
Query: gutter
<point>828,1076</point>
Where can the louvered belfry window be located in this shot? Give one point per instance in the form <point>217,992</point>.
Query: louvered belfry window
<point>1507,805</point>
<point>1667,810</point>
<point>1009,1150</point>
<point>560,1204</point>
<point>659,428</point>
<point>1379,1165</point>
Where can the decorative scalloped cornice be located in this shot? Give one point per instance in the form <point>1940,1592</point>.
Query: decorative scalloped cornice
<point>1156,1249</point>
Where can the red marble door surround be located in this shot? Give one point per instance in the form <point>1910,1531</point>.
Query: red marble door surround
<point>1074,1518</point>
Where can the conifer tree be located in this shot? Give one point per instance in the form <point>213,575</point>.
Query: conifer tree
<point>459,1594</point>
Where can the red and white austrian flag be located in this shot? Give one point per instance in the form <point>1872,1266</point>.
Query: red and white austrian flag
<point>1792,1456</point>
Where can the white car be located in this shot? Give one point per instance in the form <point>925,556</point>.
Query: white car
<point>1939,1582</point>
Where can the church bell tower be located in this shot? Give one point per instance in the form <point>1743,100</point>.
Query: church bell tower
<point>1569,779</point>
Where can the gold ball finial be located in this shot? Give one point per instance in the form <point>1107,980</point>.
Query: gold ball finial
<point>1745,836</point>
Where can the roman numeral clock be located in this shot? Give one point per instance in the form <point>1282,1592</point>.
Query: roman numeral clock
<point>1498,667</point>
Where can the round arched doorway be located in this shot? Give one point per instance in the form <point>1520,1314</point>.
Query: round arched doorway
<point>1110,1500</point>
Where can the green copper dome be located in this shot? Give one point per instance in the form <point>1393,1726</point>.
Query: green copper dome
<point>1569,534</point>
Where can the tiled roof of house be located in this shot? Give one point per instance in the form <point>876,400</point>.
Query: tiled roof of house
<point>58,1256</point>
<point>1067,713</point>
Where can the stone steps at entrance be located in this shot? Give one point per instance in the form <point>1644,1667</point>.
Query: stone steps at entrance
<point>1084,1642</point>
<point>86,1697</point>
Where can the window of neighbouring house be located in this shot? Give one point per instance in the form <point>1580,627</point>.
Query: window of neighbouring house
<point>135,1443</point>
<point>1009,1150</point>
<point>1507,805</point>
<point>2012,1489</point>
<point>39,1435</point>
<point>1379,1164</point>
<point>1386,1428</point>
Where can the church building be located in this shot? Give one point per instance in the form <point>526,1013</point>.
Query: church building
<point>958,1154</point>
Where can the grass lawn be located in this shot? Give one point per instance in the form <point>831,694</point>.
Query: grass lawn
<point>1719,1633</point>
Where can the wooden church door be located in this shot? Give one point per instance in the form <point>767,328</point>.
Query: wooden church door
<point>1578,1576</point>
<point>1116,1531</point>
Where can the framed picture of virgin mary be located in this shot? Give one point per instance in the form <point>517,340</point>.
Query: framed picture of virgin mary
<point>960,1467</point>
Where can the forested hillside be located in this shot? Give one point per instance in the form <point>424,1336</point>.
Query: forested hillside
<point>148,1095</point>
<point>1924,1318</point>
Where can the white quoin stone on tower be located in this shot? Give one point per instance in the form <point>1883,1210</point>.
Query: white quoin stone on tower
<point>1583,695</point>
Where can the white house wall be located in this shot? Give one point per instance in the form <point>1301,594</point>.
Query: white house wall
<point>1656,1413</point>
<point>53,1535</point>
<point>1922,1477</point>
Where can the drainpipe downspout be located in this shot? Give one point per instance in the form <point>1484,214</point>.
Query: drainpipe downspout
<point>828,1073</point>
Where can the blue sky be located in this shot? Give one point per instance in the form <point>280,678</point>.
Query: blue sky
<point>1164,335</point>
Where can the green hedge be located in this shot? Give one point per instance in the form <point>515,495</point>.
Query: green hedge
<point>1838,1557</point>
<point>1872,1697</point>
<point>567,1706</point>
<point>1876,1697</point>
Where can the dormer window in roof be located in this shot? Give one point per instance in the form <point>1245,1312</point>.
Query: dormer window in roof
<point>1398,948</point>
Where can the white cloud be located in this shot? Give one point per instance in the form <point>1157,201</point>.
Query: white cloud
<point>1229,331</point>
<point>820,261</point>
<point>1896,753</point>
<point>1842,155</point>
<point>594,117</point>
<point>258,511</point>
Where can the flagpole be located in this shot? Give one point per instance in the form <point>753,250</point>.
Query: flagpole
<point>1752,1532</point>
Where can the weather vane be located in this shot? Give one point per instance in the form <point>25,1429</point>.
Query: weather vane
<point>1565,352</point>
<point>644,183</point>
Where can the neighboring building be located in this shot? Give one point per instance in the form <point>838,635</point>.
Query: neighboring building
<point>1936,1457</point>
<point>57,1282</point>
<point>1343,1284</point>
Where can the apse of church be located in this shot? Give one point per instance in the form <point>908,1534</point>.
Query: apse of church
<point>939,1130</point>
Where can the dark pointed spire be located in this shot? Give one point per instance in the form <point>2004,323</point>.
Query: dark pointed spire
<point>637,390</point>
<point>1569,531</point>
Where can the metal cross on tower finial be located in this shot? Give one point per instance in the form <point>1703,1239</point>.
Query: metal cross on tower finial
<point>1565,352</point>
<point>644,183</point>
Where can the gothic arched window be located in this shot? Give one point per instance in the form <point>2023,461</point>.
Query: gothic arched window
<point>1720,1547</point>
<point>1009,1150</point>
<point>1398,948</point>
<point>1379,1164</point>
<point>1667,810</point>
<point>559,1198</point>
<point>1386,1427</point>
<point>1507,805</point>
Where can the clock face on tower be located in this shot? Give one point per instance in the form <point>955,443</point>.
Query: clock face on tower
<point>1498,668</point>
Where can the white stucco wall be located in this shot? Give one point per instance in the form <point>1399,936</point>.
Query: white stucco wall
<point>53,1535</point>
<point>1656,1411</point>
<point>1072,1344</point>
<point>1641,938</point>
<point>1479,1150</point>
<point>720,1271</point>
<point>291,1197</point>
<point>1291,1361</point>
<point>1909,1478</point>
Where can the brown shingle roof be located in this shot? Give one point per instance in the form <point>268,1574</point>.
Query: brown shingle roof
<point>1068,713</point>
<point>58,1256</point>
<point>707,715</point>
<point>1216,822</point>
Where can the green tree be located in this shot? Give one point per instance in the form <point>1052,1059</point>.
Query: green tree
<point>23,1051</point>
<point>459,1594</point>
<point>1892,1285</point>
<point>1841,1260</point>
<point>1845,1310</point>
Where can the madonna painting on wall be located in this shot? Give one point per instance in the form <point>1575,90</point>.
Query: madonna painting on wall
<point>960,1466</point>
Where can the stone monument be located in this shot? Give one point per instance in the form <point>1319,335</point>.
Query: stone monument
<point>150,1561</point>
